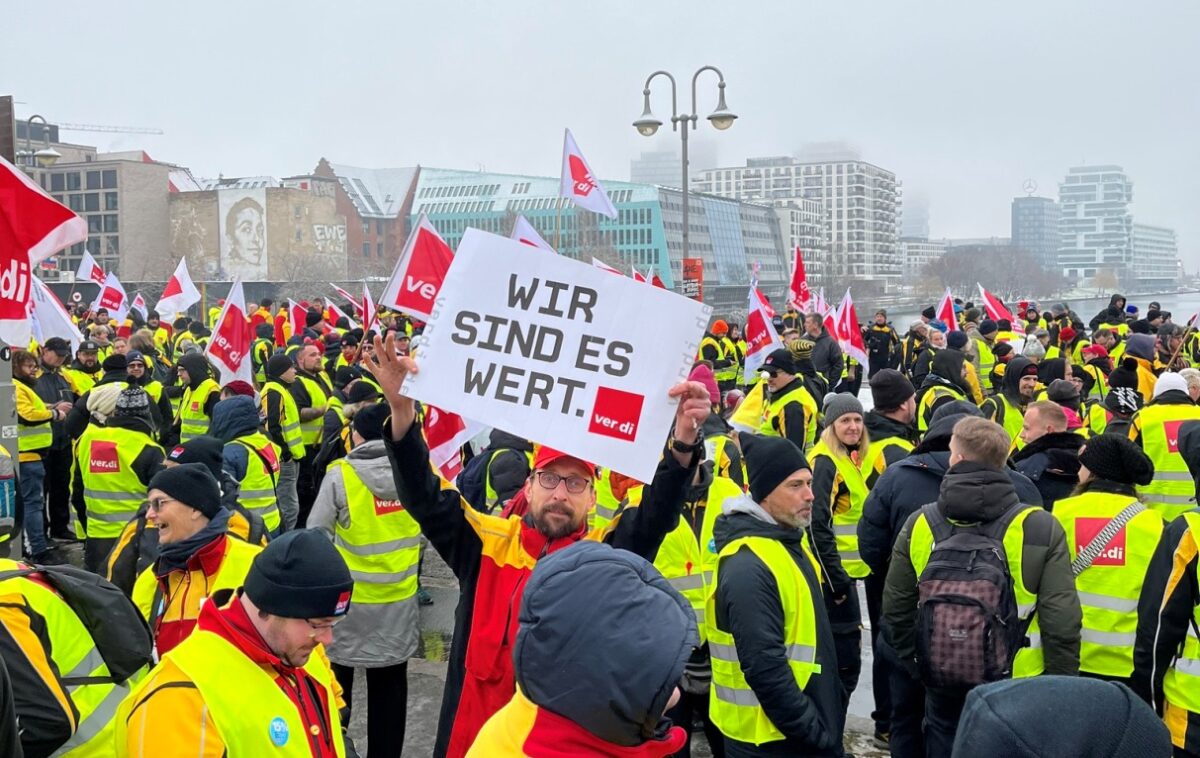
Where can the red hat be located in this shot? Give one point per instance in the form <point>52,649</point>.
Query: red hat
<point>547,455</point>
<point>239,387</point>
<point>1099,351</point>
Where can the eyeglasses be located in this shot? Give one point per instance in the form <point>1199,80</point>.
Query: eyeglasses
<point>575,484</point>
<point>157,503</point>
<point>318,628</point>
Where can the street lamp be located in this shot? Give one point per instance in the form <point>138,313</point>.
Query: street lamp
<point>647,125</point>
<point>47,156</point>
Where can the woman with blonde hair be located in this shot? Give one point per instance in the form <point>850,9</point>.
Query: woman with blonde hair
<point>839,491</point>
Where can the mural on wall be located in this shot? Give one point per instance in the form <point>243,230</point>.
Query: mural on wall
<point>241,214</point>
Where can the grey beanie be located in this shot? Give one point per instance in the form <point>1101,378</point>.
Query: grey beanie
<point>839,404</point>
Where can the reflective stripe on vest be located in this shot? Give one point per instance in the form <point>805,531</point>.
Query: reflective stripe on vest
<point>257,493</point>
<point>33,437</point>
<point>382,544</point>
<point>1172,490</point>
<point>845,520</point>
<point>687,561</point>
<point>193,422</point>
<point>250,711</point>
<point>289,418</point>
<point>112,491</point>
<point>773,415</point>
<point>1110,587</point>
<point>1029,660</point>
<point>732,705</point>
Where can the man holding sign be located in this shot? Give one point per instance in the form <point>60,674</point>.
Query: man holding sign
<point>493,557</point>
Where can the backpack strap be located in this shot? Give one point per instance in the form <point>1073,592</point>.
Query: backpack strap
<point>1093,549</point>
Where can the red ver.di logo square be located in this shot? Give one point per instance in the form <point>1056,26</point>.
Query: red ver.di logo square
<point>616,413</point>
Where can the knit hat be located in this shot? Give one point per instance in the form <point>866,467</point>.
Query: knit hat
<point>362,392</point>
<point>1167,381</point>
<point>838,404</point>
<point>769,460</point>
<point>277,365</point>
<point>1062,391</point>
<point>1123,400</point>
<point>939,325</point>
<point>1140,346</point>
<point>780,360</point>
<point>133,403</point>
<point>956,340</point>
<point>368,422</point>
<point>889,389</point>
<point>300,575</point>
<point>703,374</point>
<point>102,400</point>
<point>987,326</point>
<point>1114,457</point>
<point>240,387</point>
<point>191,484</point>
<point>205,450</point>
<point>114,363</point>
<point>312,318</point>
<point>929,313</point>
<point>719,327</point>
<point>801,349</point>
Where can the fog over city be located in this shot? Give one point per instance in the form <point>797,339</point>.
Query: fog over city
<point>964,102</point>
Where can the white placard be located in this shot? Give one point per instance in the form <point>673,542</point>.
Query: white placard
<point>559,352</point>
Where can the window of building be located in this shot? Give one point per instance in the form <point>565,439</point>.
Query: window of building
<point>109,178</point>
<point>366,249</point>
<point>110,201</point>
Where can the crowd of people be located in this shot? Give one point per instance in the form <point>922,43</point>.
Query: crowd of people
<point>1018,506</point>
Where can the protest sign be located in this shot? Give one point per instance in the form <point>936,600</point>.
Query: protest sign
<point>555,350</point>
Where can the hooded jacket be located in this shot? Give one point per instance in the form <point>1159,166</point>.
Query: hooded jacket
<point>1052,463</point>
<point>1113,314</point>
<point>973,492</point>
<point>827,357</point>
<point>748,607</point>
<point>492,559</point>
<point>373,634</point>
<point>642,628</point>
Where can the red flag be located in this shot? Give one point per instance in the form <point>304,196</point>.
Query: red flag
<point>945,312</point>
<point>656,281</point>
<point>33,227</point>
<point>798,293</point>
<point>996,310</point>
<point>349,298</point>
<point>89,270</point>
<point>579,184</point>
<point>179,294</point>
<point>419,272</point>
<point>761,337</point>
<point>849,332</point>
<point>229,348</point>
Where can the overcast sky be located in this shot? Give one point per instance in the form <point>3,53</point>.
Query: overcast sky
<point>963,103</point>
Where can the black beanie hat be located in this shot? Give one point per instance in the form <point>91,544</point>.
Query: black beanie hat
<point>368,422</point>
<point>278,364</point>
<point>300,575</point>
<point>191,484</point>
<point>770,460</point>
<point>1115,458</point>
<point>1091,718</point>
<point>205,450</point>
<point>889,389</point>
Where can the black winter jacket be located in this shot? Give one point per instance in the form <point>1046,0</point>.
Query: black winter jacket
<point>748,607</point>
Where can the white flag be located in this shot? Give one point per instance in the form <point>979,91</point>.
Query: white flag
<point>112,298</point>
<point>524,233</point>
<point>49,318</point>
<point>229,348</point>
<point>579,184</point>
<point>179,294</point>
<point>89,270</point>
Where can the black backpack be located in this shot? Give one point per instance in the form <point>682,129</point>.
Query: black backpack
<point>968,630</point>
<point>118,629</point>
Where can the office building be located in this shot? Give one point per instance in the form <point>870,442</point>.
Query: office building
<point>1035,229</point>
<point>1096,226</point>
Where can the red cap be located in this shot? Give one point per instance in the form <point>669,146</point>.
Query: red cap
<point>547,455</point>
<point>1097,350</point>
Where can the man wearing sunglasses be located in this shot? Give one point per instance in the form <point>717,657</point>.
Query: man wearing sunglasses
<point>252,679</point>
<point>492,557</point>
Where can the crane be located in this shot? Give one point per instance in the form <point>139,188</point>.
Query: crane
<point>110,129</point>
